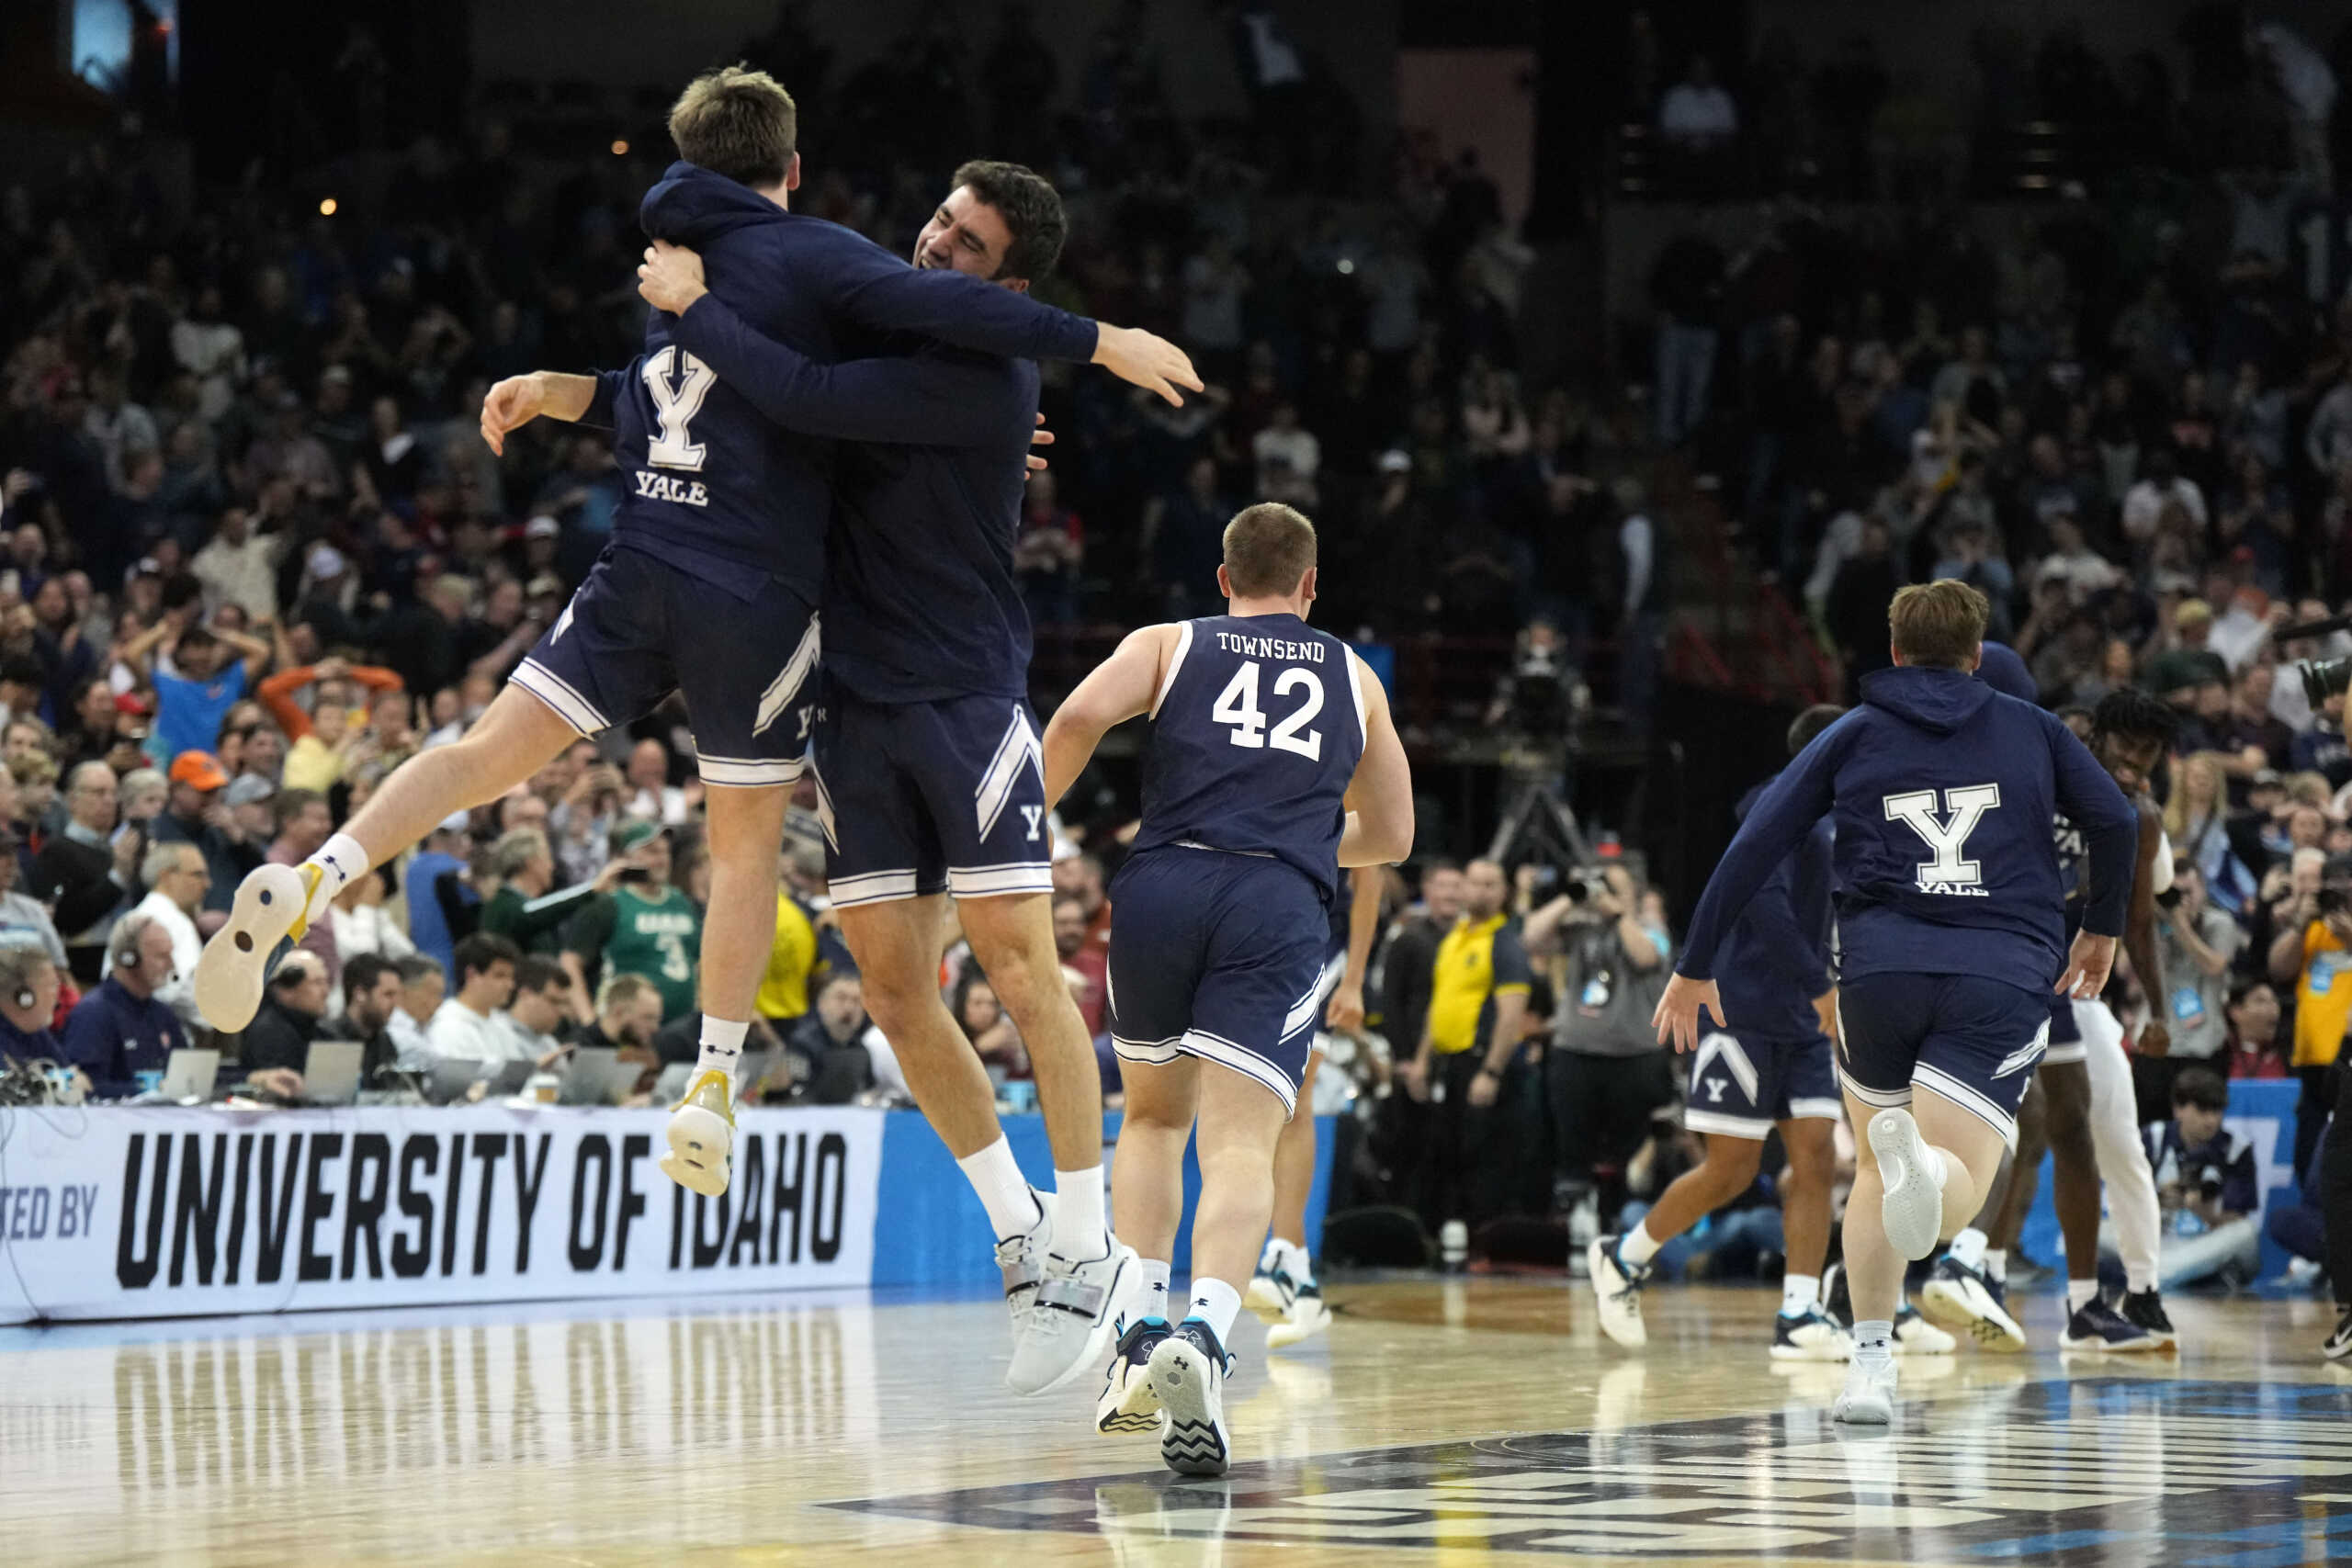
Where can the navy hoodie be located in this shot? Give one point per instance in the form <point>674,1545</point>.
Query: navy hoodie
<point>1775,958</point>
<point>710,485</point>
<point>1942,791</point>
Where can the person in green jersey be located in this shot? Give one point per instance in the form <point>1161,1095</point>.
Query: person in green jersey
<point>644,927</point>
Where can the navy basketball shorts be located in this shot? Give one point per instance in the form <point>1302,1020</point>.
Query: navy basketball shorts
<point>1740,1084</point>
<point>1973,1041</point>
<point>918,799</point>
<point>1219,956</point>
<point>2066,1043</point>
<point>639,628</point>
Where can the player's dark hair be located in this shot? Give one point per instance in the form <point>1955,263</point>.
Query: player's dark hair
<point>1030,207</point>
<point>2129,711</point>
<point>1937,625</point>
<point>1269,547</point>
<point>737,122</point>
<point>479,951</point>
<point>1809,724</point>
<point>2202,1087</point>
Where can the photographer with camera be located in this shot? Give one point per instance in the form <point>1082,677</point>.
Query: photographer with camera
<point>2313,951</point>
<point>1607,1074</point>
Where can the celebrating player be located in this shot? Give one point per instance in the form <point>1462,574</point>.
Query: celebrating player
<point>1951,927</point>
<point>710,584</point>
<point>925,757</point>
<point>1775,1069</point>
<point>1272,763</point>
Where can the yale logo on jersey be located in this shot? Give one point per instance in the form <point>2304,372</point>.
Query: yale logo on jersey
<point>1949,871</point>
<point>661,487</point>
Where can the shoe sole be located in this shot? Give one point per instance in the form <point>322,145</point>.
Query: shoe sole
<point>1289,1331</point>
<point>700,1141</point>
<point>1135,1410</point>
<point>2331,1350</point>
<point>1946,1305</point>
<point>1264,1300</point>
<point>2103,1347</point>
<point>1913,1208</point>
<point>1631,1335</point>
<point>1194,1441</point>
<point>1098,1338</point>
<point>235,965</point>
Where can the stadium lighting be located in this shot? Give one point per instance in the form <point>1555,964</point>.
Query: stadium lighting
<point>326,208</point>
<point>620,148</point>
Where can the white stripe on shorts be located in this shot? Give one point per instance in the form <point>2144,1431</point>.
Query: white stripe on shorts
<point>553,690</point>
<point>748,772</point>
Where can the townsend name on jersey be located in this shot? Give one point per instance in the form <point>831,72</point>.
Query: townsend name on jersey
<point>1270,648</point>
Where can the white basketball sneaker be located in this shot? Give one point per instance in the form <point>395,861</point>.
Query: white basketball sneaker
<point>1188,1370</point>
<point>1127,1402</point>
<point>702,1135</point>
<point>1022,1259</point>
<point>1078,1304</point>
<point>1869,1396</point>
<point>1913,1209</point>
<point>271,912</point>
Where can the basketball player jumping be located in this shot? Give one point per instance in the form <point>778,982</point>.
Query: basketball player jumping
<point>710,585</point>
<point>1272,762</point>
<point>925,757</point>
<point>1951,921</point>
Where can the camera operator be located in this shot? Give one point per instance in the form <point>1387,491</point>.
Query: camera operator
<point>1542,693</point>
<point>2313,951</point>
<point>1607,1073</point>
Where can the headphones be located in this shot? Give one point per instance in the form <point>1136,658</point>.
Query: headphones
<point>125,954</point>
<point>25,998</point>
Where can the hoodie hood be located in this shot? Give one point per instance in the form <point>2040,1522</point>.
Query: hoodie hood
<point>690,206</point>
<point>1939,701</point>
<point>2006,672</point>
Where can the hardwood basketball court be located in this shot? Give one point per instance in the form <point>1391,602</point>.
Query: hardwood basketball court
<point>1438,1418</point>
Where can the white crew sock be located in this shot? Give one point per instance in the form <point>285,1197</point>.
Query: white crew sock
<point>2080,1293</point>
<point>1967,1248</point>
<point>1637,1246</point>
<point>1078,1231</point>
<point>1215,1304</point>
<point>722,1047</point>
<point>340,858</point>
<point>1798,1293</point>
<point>1874,1341</point>
<point>1155,1289</point>
<point>1005,1192</point>
<point>1997,1265</point>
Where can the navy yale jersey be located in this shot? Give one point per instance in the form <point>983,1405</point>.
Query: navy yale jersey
<point>1255,737</point>
<point>711,486</point>
<point>1942,791</point>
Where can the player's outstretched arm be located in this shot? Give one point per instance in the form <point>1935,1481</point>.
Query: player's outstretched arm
<point>1118,689</point>
<point>1380,797</point>
<point>876,290</point>
<point>519,400</point>
<point>921,400</point>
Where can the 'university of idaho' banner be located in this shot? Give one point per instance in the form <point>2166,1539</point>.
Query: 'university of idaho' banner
<point>160,1214</point>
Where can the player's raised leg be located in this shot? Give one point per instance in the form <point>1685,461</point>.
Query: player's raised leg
<point>515,737</point>
<point>745,823</point>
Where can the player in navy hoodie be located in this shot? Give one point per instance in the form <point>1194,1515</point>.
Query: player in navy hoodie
<point>1951,931</point>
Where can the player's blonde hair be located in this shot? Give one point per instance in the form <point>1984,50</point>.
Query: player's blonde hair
<point>1938,624</point>
<point>1267,548</point>
<point>738,122</point>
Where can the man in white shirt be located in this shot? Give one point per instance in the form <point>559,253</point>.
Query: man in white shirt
<point>465,1027</point>
<point>1288,456</point>
<point>177,880</point>
<point>240,567</point>
<point>422,983</point>
<point>542,1001</point>
<point>2084,569</point>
